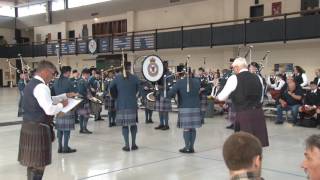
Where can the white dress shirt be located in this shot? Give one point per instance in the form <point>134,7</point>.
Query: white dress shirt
<point>214,91</point>
<point>278,85</point>
<point>231,85</point>
<point>305,80</point>
<point>50,104</point>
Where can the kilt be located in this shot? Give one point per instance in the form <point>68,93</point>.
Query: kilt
<point>35,148</point>
<point>203,102</point>
<point>109,104</point>
<point>126,117</point>
<point>252,121</point>
<point>231,113</point>
<point>189,118</point>
<point>163,105</point>
<point>65,122</point>
<point>149,104</point>
<point>84,110</point>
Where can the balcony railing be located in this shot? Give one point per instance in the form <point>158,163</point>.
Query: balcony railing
<point>283,28</point>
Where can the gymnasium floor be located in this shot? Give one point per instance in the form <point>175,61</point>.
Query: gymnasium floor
<point>100,157</point>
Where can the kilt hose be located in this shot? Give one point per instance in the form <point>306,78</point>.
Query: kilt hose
<point>35,148</point>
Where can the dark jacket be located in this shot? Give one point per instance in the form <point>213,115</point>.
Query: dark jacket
<point>185,99</point>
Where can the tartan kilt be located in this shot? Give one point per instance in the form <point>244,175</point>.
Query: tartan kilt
<point>189,118</point>
<point>203,102</point>
<point>163,105</point>
<point>126,117</point>
<point>149,104</point>
<point>35,148</point>
<point>84,110</point>
<point>253,121</point>
<point>109,104</point>
<point>65,122</point>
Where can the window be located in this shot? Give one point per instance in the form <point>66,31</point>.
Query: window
<point>57,5</point>
<point>7,11</point>
<point>77,3</point>
<point>32,9</point>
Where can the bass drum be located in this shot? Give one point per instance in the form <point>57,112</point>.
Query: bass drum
<point>148,68</point>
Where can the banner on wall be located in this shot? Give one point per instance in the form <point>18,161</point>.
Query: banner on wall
<point>123,42</point>
<point>276,8</point>
<point>144,42</point>
<point>287,67</point>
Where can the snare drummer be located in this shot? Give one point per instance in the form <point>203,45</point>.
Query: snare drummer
<point>145,89</point>
<point>84,110</point>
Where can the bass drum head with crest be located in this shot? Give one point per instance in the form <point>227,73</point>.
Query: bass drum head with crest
<point>152,68</point>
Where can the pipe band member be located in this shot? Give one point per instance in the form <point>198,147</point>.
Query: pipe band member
<point>65,122</point>
<point>245,90</point>
<point>36,133</point>
<point>74,79</point>
<point>124,89</point>
<point>189,110</point>
<point>109,103</point>
<point>163,105</point>
<point>95,84</point>
<point>84,110</point>
<point>146,88</point>
<point>21,86</point>
<point>204,92</point>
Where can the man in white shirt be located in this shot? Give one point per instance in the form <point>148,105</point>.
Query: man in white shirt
<point>36,133</point>
<point>246,90</point>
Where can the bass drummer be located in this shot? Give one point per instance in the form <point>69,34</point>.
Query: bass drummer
<point>163,105</point>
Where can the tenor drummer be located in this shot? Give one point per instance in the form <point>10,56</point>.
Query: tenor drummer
<point>189,118</point>
<point>246,90</point>
<point>124,89</point>
<point>163,105</point>
<point>145,89</point>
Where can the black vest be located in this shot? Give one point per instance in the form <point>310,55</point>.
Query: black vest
<point>298,79</point>
<point>248,92</point>
<point>32,110</point>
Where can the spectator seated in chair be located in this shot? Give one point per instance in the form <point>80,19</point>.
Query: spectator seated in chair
<point>307,112</point>
<point>290,100</point>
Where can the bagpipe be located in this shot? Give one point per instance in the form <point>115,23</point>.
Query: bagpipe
<point>309,111</point>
